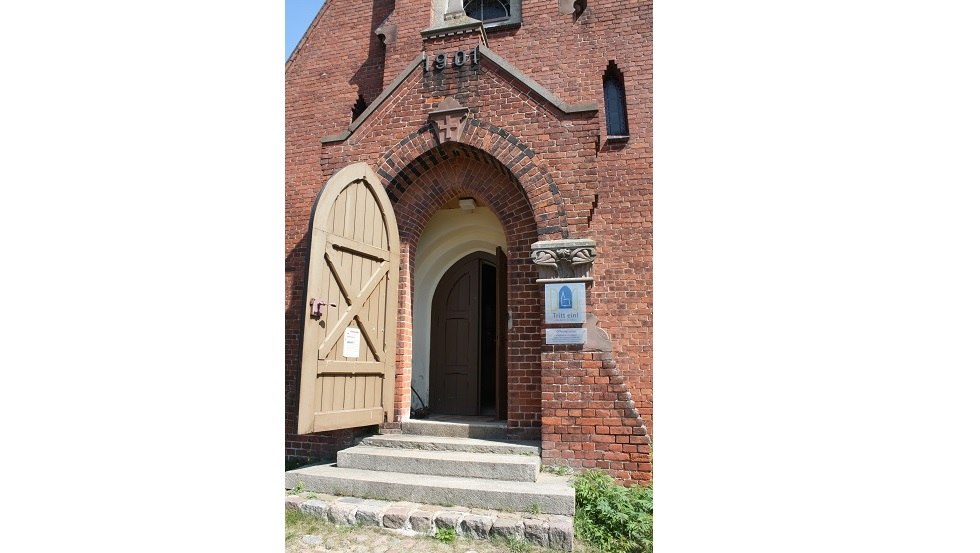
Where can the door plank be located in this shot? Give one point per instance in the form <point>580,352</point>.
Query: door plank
<point>340,243</point>
<point>348,418</point>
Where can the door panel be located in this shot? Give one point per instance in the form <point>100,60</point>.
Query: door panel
<point>347,374</point>
<point>455,366</point>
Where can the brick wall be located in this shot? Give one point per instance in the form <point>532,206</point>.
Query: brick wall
<point>545,173</point>
<point>591,420</point>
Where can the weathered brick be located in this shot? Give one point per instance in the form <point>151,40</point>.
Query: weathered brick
<point>565,179</point>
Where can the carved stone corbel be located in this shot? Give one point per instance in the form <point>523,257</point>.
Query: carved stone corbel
<point>569,7</point>
<point>564,260</point>
<point>387,34</point>
<point>447,120</point>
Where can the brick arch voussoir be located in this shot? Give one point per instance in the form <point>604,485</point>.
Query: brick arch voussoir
<point>419,152</point>
<point>464,173</point>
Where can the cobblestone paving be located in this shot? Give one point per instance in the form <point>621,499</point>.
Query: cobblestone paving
<point>415,525</point>
<point>353,539</point>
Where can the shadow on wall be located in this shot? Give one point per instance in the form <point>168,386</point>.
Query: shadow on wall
<point>296,265</point>
<point>369,77</point>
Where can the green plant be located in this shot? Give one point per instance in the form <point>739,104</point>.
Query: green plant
<point>515,545</point>
<point>446,535</point>
<point>534,509</point>
<point>297,489</point>
<point>611,517</point>
<point>560,470</point>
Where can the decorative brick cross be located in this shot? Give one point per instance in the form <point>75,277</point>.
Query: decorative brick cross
<point>447,120</point>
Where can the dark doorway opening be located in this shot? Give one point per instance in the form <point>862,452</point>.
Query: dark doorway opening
<point>488,339</point>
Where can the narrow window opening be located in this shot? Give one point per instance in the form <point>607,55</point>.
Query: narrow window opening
<point>614,93</point>
<point>359,106</point>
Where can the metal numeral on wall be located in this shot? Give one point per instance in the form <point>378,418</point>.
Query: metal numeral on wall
<point>458,60</point>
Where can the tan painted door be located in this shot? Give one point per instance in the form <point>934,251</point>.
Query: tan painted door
<point>348,367</point>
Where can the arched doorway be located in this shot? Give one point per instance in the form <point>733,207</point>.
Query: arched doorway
<point>465,338</point>
<point>436,232</point>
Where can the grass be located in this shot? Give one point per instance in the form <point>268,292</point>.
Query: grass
<point>515,545</point>
<point>299,523</point>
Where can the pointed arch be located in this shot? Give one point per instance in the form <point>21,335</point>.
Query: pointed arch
<point>614,94</point>
<point>418,152</point>
<point>436,178</point>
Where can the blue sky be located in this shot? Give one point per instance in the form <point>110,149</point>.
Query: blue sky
<point>299,14</point>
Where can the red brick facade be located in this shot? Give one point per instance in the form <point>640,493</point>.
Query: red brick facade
<point>529,151</point>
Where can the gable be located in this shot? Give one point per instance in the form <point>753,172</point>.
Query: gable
<point>504,75</point>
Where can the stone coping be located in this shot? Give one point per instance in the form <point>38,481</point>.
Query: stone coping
<point>581,107</point>
<point>551,531</point>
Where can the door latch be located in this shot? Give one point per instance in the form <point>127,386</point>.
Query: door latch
<point>315,306</point>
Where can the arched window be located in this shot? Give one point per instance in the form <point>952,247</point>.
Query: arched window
<point>487,10</point>
<point>615,96</point>
<point>494,13</point>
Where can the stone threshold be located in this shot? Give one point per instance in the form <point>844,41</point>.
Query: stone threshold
<point>551,531</point>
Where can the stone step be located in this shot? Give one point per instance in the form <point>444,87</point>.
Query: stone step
<point>550,494</point>
<point>482,430</point>
<point>440,443</point>
<point>521,468</point>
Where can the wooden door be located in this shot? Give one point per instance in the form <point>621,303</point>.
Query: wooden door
<point>348,369</point>
<point>454,372</point>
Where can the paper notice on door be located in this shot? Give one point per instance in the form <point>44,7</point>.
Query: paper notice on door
<point>352,342</point>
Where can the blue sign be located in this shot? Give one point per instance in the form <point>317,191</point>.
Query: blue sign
<point>565,298</point>
<point>564,303</point>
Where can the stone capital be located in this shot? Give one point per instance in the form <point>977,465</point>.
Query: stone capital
<point>569,259</point>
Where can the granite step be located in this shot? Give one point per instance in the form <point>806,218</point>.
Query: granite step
<point>520,468</point>
<point>482,430</point>
<point>550,494</point>
<point>441,443</point>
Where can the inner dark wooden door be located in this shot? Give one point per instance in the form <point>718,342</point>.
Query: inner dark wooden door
<point>459,337</point>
